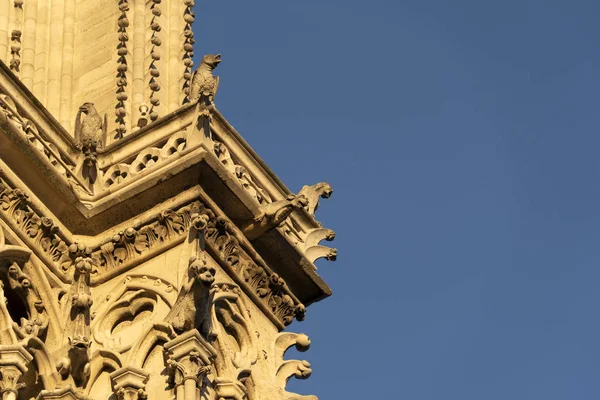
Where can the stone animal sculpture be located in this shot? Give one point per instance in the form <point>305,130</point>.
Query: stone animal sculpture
<point>312,194</point>
<point>90,130</point>
<point>191,309</point>
<point>90,135</point>
<point>77,362</point>
<point>204,83</point>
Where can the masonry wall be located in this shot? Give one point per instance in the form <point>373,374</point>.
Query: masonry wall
<point>118,54</point>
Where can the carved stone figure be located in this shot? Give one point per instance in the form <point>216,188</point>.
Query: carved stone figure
<point>272,215</point>
<point>90,135</point>
<point>191,308</point>
<point>164,264</point>
<point>77,361</point>
<point>90,131</point>
<point>204,84</point>
<point>312,194</point>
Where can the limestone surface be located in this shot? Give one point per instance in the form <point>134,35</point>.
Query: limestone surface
<point>146,251</point>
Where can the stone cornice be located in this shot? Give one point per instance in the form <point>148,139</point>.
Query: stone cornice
<point>152,165</point>
<point>53,135</point>
<point>165,226</point>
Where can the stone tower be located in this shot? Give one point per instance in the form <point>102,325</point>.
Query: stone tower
<point>123,54</point>
<point>146,251</point>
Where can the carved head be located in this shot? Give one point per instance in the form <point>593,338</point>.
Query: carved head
<point>326,190</point>
<point>26,283</point>
<point>13,271</point>
<point>207,275</point>
<point>80,343</point>
<point>323,189</point>
<point>86,108</point>
<point>212,60</point>
<point>201,271</point>
<point>199,221</point>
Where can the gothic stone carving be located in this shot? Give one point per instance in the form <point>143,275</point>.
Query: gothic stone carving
<point>24,298</point>
<point>272,215</point>
<point>312,194</point>
<point>178,303</point>
<point>191,310</point>
<point>204,84</point>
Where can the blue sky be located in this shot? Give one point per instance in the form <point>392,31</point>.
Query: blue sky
<point>462,139</point>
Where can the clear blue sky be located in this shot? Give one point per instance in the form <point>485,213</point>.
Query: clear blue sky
<point>462,141</point>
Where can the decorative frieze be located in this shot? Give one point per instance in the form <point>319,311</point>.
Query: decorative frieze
<point>175,144</point>
<point>62,164</point>
<point>122,249</point>
<point>144,160</point>
<point>240,173</point>
<point>15,206</point>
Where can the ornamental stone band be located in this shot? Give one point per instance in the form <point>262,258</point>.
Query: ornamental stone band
<point>146,251</point>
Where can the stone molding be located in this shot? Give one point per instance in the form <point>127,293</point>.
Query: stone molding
<point>14,361</point>
<point>235,155</point>
<point>129,383</point>
<point>122,251</point>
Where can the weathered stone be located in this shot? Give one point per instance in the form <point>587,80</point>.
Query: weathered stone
<point>146,251</point>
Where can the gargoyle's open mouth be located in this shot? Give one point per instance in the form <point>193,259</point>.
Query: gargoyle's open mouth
<point>81,346</point>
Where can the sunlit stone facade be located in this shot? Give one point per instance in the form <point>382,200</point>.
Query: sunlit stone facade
<point>146,251</point>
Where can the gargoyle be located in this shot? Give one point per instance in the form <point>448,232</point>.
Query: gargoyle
<point>313,192</point>
<point>204,83</point>
<point>192,307</point>
<point>77,362</point>
<point>90,135</point>
<point>273,214</point>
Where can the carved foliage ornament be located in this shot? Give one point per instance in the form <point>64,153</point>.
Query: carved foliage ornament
<point>132,243</point>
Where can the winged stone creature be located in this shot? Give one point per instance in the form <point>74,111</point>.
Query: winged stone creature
<point>90,130</point>
<point>204,83</point>
<point>90,135</point>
